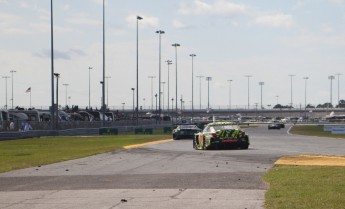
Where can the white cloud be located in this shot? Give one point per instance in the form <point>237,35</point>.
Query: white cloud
<point>4,2</point>
<point>315,40</point>
<point>98,1</point>
<point>9,24</point>
<point>24,4</point>
<point>8,19</point>
<point>178,24</point>
<point>275,20</point>
<point>337,1</point>
<point>83,20</point>
<point>147,21</point>
<point>327,29</point>
<point>66,7</point>
<point>42,14</point>
<point>220,7</point>
<point>40,27</point>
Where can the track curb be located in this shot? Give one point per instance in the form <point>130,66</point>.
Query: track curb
<point>148,143</point>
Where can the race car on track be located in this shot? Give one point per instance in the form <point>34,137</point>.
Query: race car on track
<point>273,126</point>
<point>185,131</point>
<point>276,125</point>
<point>221,134</point>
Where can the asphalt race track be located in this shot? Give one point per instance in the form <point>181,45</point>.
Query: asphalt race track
<point>168,175</point>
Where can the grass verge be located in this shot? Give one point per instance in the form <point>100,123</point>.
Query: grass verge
<point>25,153</point>
<point>305,187</point>
<point>313,130</point>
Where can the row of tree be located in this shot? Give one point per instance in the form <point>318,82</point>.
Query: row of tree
<point>325,105</point>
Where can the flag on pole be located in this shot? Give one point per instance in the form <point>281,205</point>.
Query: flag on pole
<point>28,90</point>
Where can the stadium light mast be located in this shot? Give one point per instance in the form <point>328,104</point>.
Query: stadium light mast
<point>57,75</point>
<point>305,94</point>
<point>137,108</point>
<point>107,77</point>
<point>331,78</point>
<point>169,62</point>
<point>52,64</point>
<point>6,77</point>
<point>160,32</point>
<point>338,74</point>
<point>192,55</point>
<point>103,77</point>
<point>248,76</point>
<point>12,71</point>
<point>261,85</point>
<point>90,68</point>
<point>291,76</point>
<point>151,77</point>
<point>230,81</point>
<point>176,45</point>
<point>208,79</point>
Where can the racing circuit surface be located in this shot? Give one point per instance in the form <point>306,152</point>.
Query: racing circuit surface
<point>166,175</point>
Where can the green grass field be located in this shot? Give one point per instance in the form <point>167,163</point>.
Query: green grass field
<point>305,187</point>
<point>313,130</point>
<point>25,153</point>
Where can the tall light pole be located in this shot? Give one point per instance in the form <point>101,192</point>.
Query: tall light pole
<point>208,79</point>
<point>172,109</point>
<point>12,71</point>
<point>338,74</point>
<point>151,77</point>
<point>103,77</point>
<point>331,77</point>
<point>291,76</point>
<point>160,32</point>
<point>102,83</point>
<point>163,84</point>
<point>66,85</point>
<point>176,45</point>
<point>156,108</point>
<point>277,99</point>
<point>229,94</point>
<point>192,55</point>
<point>133,102</point>
<point>305,92</point>
<point>6,77</point>
<point>137,109</point>
<point>169,62</point>
<point>248,76</point>
<point>90,68</point>
<point>261,85</point>
<point>52,64</point>
<point>107,77</point>
<point>200,77</point>
<point>57,75</point>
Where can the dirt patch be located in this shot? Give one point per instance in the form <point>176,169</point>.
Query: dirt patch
<point>318,160</point>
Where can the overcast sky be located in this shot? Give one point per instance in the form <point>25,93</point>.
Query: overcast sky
<point>267,39</point>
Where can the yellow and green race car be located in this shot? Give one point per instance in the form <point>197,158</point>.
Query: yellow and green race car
<point>219,135</point>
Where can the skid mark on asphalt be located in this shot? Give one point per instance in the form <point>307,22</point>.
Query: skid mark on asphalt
<point>316,160</point>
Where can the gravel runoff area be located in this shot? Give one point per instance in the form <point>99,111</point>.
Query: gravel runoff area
<point>315,160</point>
